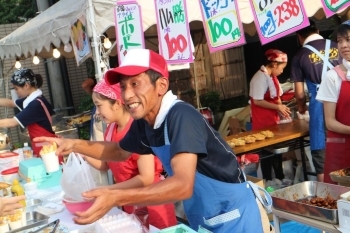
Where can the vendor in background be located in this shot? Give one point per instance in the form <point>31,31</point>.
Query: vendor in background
<point>138,170</point>
<point>203,170</point>
<point>334,92</point>
<point>8,205</point>
<point>35,111</point>
<point>266,108</point>
<point>308,66</point>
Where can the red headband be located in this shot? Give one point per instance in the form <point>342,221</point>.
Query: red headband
<point>110,91</point>
<point>276,55</point>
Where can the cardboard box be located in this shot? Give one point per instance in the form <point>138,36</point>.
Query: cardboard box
<point>257,181</point>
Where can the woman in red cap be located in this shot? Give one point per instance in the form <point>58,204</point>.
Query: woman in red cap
<point>266,106</point>
<point>138,170</point>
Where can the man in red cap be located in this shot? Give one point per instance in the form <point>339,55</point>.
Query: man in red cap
<point>203,171</point>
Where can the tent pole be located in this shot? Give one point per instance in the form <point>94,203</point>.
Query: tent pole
<point>196,85</point>
<point>96,52</point>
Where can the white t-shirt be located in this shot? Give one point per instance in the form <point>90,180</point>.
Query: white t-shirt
<point>330,87</point>
<point>259,86</point>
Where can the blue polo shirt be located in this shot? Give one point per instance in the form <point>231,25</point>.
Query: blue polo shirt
<point>307,65</point>
<point>188,132</point>
<point>34,113</point>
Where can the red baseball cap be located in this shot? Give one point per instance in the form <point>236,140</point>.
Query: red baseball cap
<point>136,62</point>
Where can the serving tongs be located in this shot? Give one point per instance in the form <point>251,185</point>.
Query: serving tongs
<point>52,225</point>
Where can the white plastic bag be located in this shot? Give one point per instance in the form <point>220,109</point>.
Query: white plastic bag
<point>76,177</point>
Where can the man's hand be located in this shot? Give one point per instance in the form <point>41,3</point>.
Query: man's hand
<point>8,205</point>
<point>104,202</point>
<point>65,146</point>
<point>302,108</point>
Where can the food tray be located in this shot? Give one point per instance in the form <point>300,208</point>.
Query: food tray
<point>34,219</point>
<point>286,200</point>
<point>31,204</point>
<point>341,180</point>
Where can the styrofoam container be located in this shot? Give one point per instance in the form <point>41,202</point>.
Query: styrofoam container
<point>9,175</point>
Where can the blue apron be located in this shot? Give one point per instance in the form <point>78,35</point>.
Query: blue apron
<point>218,206</point>
<point>316,123</point>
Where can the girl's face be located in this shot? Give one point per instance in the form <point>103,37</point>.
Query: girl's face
<point>277,68</point>
<point>344,46</point>
<point>105,109</point>
<point>22,92</point>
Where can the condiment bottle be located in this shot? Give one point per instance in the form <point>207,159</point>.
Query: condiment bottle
<point>27,151</point>
<point>17,190</point>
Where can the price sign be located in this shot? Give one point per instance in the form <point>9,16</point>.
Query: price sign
<point>173,31</point>
<point>222,24</point>
<point>277,18</point>
<point>330,7</point>
<point>128,24</point>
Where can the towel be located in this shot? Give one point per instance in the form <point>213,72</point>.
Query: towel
<point>272,88</point>
<point>32,97</point>
<point>167,103</point>
<point>347,66</point>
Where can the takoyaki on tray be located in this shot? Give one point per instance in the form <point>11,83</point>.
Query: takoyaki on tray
<point>79,120</point>
<point>310,199</point>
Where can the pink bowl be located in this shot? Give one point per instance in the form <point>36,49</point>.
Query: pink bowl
<point>74,207</point>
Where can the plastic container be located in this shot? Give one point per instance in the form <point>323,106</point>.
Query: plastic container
<point>9,175</point>
<point>79,206</point>
<point>27,151</point>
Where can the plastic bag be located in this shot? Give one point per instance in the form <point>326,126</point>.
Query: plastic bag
<point>76,177</point>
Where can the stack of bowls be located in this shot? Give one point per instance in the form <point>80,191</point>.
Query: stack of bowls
<point>74,206</point>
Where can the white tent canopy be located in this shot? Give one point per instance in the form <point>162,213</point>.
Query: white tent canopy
<point>53,25</point>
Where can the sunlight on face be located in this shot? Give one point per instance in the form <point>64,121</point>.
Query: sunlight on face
<point>344,46</point>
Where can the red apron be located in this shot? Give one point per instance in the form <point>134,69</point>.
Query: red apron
<point>160,216</point>
<point>338,145</point>
<point>263,117</point>
<point>36,130</point>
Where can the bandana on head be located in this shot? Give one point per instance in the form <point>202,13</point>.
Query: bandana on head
<point>22,76</point>
<point>112,92</point>
<point>276,55</point>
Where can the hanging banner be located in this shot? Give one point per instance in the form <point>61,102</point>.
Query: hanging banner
<point>80,40</point>
<point>173,31</point>
<point>330,7</point>
<point>276,19</point>
<point>128,24</point>
<point>222,24</point>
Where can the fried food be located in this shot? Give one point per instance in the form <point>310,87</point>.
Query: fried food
<point>79,120</point>
<point>342,172</point>
<point>16,216</point>
<point>249,139</point>
<point>48,148</point>
<point>267,133</point>
<point>238,142</point>
<point>259,136</point>
<point>4,185</point>
<point>231,144</point>
<point>328,202</point>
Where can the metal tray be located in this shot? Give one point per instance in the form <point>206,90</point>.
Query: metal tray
<point>286,200</point>
<point>31,204</point>
<point>34,219</point>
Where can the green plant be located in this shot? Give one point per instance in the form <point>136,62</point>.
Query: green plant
<point>212,100</point>
<point>86,104</point>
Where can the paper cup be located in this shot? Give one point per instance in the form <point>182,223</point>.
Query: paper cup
<point>4,227</point>
<point>51,162</point>
<point>15,224</point>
